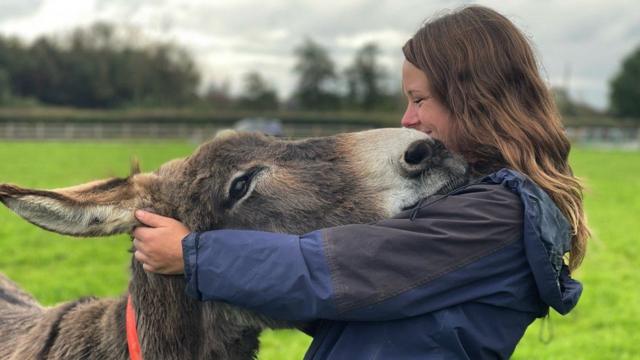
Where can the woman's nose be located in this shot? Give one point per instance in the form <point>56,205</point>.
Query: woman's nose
<point>410,117</point>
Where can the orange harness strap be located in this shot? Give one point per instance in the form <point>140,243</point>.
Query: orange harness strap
<point>132,332</point>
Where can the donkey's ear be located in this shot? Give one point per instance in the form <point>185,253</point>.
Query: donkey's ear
<point>97,208</point>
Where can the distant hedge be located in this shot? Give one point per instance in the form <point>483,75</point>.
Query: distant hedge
<point>191,116</point>
<point>45,114</point>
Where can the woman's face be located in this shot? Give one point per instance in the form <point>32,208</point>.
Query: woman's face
<point>424,112</point>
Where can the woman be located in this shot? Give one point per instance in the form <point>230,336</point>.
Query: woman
<point>465,276</point>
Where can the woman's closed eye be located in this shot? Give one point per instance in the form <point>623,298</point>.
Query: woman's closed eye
<point>419,100</point>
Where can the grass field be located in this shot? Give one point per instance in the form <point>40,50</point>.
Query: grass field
<point>605,325</point>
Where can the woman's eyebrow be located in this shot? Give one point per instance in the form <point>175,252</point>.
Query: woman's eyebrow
<point>415,92</point>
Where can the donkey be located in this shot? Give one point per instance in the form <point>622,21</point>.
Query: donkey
<point>236,180</point>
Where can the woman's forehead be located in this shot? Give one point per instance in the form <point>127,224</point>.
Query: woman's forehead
<point>413,79</point>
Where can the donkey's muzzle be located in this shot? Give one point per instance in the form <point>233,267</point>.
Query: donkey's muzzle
<point>429,153</point>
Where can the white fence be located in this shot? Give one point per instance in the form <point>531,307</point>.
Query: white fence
<point>628,137</point>
<point>69,131</point>
<point>199,131</point>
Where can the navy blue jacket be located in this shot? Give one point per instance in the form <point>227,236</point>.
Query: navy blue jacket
<point>460,277</point>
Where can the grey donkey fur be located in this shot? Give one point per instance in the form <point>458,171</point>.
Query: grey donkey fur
<point>280,185</point>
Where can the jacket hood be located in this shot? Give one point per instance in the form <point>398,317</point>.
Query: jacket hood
<point>547,237</point>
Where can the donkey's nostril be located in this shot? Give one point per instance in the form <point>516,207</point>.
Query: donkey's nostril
<point>417,152</point>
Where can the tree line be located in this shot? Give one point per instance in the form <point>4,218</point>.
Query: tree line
<point>625,87</point>
<point>320,85</point>
<point>96,67</point>
<point>103,66</point>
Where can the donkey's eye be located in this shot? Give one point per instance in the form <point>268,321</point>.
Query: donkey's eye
<point>240,185</point>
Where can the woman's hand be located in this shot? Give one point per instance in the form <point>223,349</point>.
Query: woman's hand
<point>158,245</point>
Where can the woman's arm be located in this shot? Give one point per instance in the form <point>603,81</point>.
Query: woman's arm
<point>457,249</point>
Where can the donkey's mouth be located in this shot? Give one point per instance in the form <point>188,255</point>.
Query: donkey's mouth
<point>453,181</point>
<point>452,184</point>
<point>414,205</point>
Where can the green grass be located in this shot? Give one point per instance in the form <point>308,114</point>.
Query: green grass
<point>606,322</point>
<point>605,325</point>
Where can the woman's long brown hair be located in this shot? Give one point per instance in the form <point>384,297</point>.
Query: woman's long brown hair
<point>483,69</point>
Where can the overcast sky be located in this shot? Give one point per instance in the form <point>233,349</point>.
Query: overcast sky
<point>580,43</point>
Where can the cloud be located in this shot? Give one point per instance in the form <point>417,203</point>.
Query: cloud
<point>17,8</point>
<point>579,42</point>
<point>48,16</point>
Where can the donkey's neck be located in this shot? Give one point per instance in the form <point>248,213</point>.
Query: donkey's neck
<point>171,325</point>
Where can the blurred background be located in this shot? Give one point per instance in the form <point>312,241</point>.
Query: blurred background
<point>87,84</point>
<point>104,69</point>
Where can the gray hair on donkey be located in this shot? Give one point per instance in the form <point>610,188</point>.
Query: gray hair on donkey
<point>236,180</point>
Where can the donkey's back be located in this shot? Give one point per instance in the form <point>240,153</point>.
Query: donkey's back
<point>30,331</point>
<point>12,296</point>
<point>18,313</point>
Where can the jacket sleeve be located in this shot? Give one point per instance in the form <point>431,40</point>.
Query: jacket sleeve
<point>455,250</point>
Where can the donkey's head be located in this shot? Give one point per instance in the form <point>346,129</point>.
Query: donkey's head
<point>244,180</point>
